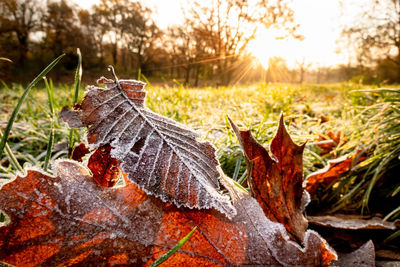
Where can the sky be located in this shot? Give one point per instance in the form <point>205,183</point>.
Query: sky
<point>319,21</point>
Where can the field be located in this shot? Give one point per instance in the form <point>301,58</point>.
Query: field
<point>311,112</point>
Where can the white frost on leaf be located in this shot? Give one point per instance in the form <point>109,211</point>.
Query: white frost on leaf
<point>160,155</point>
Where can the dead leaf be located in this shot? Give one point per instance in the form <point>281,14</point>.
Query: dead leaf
<point>79,152</point>
<point>389,254</point>
<point>69,219</point>
<point>331,141</point>
<point>277,183</point>
<point>351,222</point>
<point>363,256</point>
<point>104,168</point>
<point>323,119</point>
<point>158,154</point>
<point>71,117</point>
<point>334,170</point>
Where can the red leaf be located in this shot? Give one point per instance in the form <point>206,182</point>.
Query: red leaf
<point>69,219</point>
<point>277,184</point>
<point>79,152</point>
<point>104,168</point>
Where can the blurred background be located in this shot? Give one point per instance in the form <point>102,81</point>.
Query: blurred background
<point>208,42</point>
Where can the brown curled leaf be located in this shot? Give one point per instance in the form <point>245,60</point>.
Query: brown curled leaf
<point>277,183</point>
<point>69,219</point>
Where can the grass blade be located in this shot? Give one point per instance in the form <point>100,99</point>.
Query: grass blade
<point>392,236</point>
<point>174,249</point>
<point>21,100</point>
<point>237,167</point>
<point>11,157</point>
<point>77,84</point>
<point>49,149</point>
<point>51,137</point>
<point>145,79</point>
<point>78,76</point>
<point>393,212</point>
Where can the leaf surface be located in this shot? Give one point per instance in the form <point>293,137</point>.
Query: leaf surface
<point>69,219</point>
<point>276,182</point>
<point>160,155</point>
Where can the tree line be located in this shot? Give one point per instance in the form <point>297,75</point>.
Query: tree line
<point>210,45</point>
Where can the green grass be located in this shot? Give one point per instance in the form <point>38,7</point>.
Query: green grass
<point>256,106</point>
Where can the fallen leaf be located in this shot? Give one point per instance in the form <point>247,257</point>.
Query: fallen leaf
<point>79,152</point>
<point>328,142</point>
<point>389,254</point>
<point>104,168</point>
<point>158,154</point>
<point>351,222</point>
<point>363,256</point>
<point>277,183</point>
<point>69,219</point>
<point>334,170</point>
<point>323,119</point>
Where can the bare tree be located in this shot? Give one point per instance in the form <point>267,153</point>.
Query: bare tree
<point>229,26</point>
<point>21,18</point>
<point>128,27</point>
<point>376,34</point>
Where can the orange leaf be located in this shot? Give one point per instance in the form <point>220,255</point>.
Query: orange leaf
<point>335,169</point>
<point>277,184</point>
<point>69,219</point>
<point>329,146</point>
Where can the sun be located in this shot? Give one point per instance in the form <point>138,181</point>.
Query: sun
<point>266,46</point>
<point>260,48</point>
<point>260,53</point>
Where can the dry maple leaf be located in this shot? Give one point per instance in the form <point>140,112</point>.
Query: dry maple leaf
<point>277,183</point>
<point>158,154</point>
<point>69,219</point>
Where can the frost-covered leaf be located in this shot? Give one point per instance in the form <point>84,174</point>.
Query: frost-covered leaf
<point>69,219</point>
<point>362,257</point>
<point>158,154</point>
<point>277,183</point>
